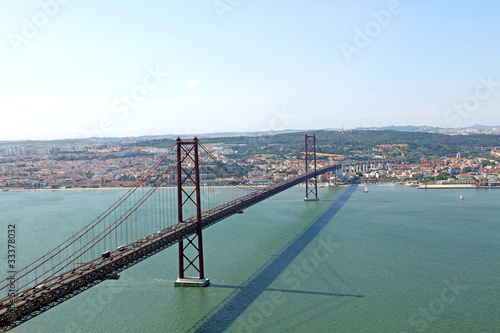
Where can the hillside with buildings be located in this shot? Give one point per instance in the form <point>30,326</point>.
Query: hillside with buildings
<point>261,159</point>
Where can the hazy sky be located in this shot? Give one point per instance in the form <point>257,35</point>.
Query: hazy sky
<point>71,68</point>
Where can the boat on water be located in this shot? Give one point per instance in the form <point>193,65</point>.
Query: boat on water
<point>366,189</point>
<point>461,197</point>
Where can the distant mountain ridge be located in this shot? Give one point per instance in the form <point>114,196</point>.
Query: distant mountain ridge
<point>476,129</point>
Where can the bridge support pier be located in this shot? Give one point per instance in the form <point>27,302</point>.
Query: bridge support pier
<point>188,194</point>
<point>310,159</point>
<point>191,282</point>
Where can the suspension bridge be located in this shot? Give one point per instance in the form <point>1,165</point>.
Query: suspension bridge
<point>147,220</point>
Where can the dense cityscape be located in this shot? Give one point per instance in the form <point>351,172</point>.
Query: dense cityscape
<point>54,165</point>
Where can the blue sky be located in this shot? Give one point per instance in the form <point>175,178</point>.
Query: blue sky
<point>72,68</point>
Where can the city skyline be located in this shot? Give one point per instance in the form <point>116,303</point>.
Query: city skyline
<point>75,70</point>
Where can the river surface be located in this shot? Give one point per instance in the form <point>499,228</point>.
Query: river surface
<point>395,259</point>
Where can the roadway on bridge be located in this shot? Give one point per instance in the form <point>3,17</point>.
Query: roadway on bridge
<point>32,301</point>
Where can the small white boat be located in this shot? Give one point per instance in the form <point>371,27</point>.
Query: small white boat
<point>461,197</point>
<point>366,189</point>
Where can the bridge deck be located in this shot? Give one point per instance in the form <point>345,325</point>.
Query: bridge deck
<point>31,302</point>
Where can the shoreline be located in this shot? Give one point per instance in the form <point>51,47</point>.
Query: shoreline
<point>420,186</point>
<point>454,186</point>
<point>99,188</point>
<point>63,189</point>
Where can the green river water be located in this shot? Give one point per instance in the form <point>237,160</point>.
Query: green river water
<point>395,259</point>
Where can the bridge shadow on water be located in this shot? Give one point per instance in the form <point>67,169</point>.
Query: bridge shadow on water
<point>291,291</point>
<point>228,311</point>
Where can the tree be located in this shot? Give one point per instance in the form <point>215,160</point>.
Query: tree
<point>443,175</point>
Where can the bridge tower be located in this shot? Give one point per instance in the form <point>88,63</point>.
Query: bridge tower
<point>189,197</point>
<point>310,160</point>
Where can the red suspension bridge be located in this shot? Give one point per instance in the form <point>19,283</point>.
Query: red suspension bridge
<point>145,221</point>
